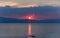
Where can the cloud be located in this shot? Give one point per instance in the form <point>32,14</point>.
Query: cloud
<point>14,4</point>
<point>30,3</point>
<point>7,4</point>
<point>34,4</point>
<point>49,3</point>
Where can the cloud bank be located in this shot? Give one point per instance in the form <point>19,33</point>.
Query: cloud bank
<point>45,12</point>
<point>8,4</point>
<point>14,4</point>
<point>35,3</point>
<point>50,3</point>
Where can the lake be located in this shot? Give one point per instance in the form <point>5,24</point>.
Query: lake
<point>26,30</point>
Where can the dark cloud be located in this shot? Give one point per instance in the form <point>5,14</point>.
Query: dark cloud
<point>41,12</point>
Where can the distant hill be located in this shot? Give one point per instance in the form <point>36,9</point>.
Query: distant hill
<point>13,20</point>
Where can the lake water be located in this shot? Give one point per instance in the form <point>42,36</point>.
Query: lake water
<point>24,30</point>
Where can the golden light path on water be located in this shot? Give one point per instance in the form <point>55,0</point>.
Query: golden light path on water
<point>29,30</point>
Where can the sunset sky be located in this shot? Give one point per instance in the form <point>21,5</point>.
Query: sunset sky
<point>31,3</point>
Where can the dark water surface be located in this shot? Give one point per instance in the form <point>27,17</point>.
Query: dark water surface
<point>24,30</point>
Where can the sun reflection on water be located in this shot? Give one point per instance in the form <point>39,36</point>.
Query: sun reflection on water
<point>29,30</point>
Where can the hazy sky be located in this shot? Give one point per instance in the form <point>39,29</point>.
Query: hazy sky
<point>29,3</point>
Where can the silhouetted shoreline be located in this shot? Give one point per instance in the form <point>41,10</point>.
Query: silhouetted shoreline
<point>13,20</point>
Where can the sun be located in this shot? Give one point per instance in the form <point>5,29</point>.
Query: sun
<point>29,17</point>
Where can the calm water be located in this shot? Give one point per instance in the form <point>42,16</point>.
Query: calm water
<point>23,30</point>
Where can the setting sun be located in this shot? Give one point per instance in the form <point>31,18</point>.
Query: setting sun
<point>29,17</point>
